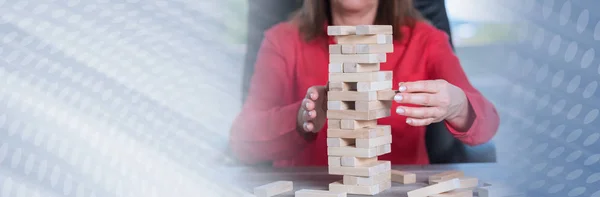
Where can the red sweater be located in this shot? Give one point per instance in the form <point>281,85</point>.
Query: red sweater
<point>287,66</point>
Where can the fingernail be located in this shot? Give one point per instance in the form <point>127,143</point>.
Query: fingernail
<point>399,110</point>
<point>311,95</point>
<point>306,105</point>
<point>408,121</point>
<point>402,88</point>
<point>310,113</point>
<point>398,98</point>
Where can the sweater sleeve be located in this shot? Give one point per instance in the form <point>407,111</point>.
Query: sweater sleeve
<point>445,65</point>
<point>265,129</point>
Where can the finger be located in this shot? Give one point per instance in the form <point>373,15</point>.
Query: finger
<point>309,115</point>
<point>312,93</point>
<point>308,104</point>
<point>430,86</point>
<point>419,122</point>
<point>308,126</point>
<point>419,112</point>
<point>425,99</point>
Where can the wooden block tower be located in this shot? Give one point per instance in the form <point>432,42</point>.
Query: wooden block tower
<point>359,94</point>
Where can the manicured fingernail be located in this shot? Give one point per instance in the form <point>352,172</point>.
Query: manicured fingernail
<point>408,121</point>
<point>402,88</point>
<point>306,105</point>
<point>310,113</point>
<point>312,96</point>
<point>398,98</point>
<point>399,110</point>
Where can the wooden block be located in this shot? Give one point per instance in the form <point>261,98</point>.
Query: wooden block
<point>372,105</point>
<point>444,176</point>
<point>371,169</point>
<point>318,193</point>
<point>455,193</point>
<point>365,39</point>
<point>358,115</point>
<point>357,58</point>
<point>351,96</point>
<point>372,48</point>
<point>341,30</point>
<point>373,86</point>
<point>358,189</point>
<point>367,181</point>
<point>374,29</point>
<point>497,191</point>
<point>273,189</point>
<point>357,161</point>
<point>373,142</point>
<point>361,67</point>
<point>340,142</point>
<point>334,124</point>
<point>336,67</point>
<point>334,161</point>
<point>348,49</point>
<point>439,188</point>
<point>361,77</point>
<point>386,95</point>
<point>361,133</point>
<point>403,177</point>
<point>339,86</point>
<point>468,182</point>
<point>357,124</point>
<point>335,49</point>
<point>338,104</point>
<point>359,152</point>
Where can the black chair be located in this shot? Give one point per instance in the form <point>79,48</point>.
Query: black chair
<point>442,147</point>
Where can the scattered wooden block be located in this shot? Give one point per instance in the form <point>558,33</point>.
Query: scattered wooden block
<point>373,142</point>
<point>374,29</point>
<point>367,181</point>
<point>358,115</point>
<point>273,189</point>
<point>403,177</point>
<point>361,77</point>
<point>357,161</point>
<point>340,142</point>
<point>334,124</point>
<point>335,49</point>
<point>348,49</point>
<point>358,189</point>
<point>365,39</point>
<point>334,161</point>
<point>361,67</point>
<point>318,193</point>
<point>356,124</point>
<point>438,188</point>
<point>336,67</point>
<point>455,193</point>
<point>358,58</point>
<point>497,191</point>
<point>386,95</point>
<point>444,176</point>
<point>368,132</point>
<point>341,30</point>
<point>359,152</point>
<point>370,169</point>
<point>372,105</point>
<point>372,48</point>
<point>468,182</point>
<point>351,96</point>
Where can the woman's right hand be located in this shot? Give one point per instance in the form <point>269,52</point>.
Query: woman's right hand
<point>312,114</point>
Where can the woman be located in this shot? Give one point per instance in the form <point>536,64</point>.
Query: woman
<point>283,120</point>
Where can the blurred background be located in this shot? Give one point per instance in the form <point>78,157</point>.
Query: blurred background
<point>136,98</point>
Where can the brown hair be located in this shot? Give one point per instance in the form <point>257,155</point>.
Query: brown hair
<point>313,15</point>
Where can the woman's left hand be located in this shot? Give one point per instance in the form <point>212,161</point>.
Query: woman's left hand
<point>436,100</point>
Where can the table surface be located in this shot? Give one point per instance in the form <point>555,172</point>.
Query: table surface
<point>319,179</point>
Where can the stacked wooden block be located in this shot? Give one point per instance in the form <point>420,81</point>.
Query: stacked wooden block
<point>359,94</point>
